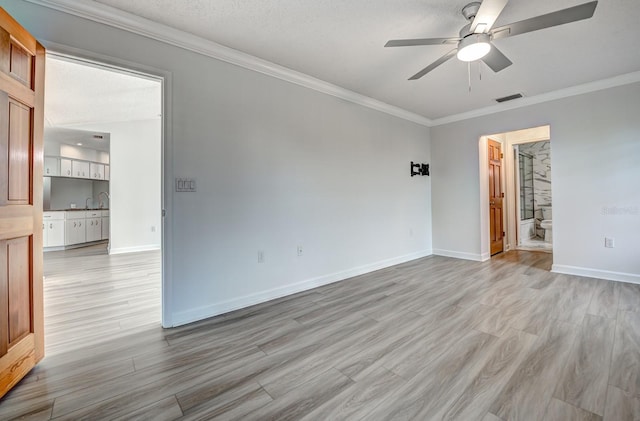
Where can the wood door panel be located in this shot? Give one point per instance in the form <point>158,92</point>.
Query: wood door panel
<point>21,64</point>
<point>17,362</point>
<point>496,225</point>
<point>21,119</point>
<point>19,287</point>
<point>19,152</point>
<point>4,148</point>
<point>4,302</point>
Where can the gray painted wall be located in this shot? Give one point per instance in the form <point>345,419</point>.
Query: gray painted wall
<point>277,166</point>
<point>595,145</point>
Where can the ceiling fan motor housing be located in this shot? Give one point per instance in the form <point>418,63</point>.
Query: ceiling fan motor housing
<point>471,10</point>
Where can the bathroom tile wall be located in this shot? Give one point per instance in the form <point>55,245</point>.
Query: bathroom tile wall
<point>541,152</point>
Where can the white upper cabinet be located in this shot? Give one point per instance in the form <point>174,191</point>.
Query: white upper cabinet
<point>65,167</point>
<point>51,166</point>
<point>80,169</point>
<point>97,171</point>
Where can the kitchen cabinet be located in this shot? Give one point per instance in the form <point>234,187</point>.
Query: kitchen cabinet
<point>80,169</point>
<point>53,229</point>
<point>96,171</point>
<point>105,225</point>
<point>65,167</point>
<point>51,166</point>
<point>75,228</point>
<point>68,228</point>
<point>106,172</point>
<point>93,224</point>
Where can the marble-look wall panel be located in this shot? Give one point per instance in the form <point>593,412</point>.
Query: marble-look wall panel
<point>541,152</point>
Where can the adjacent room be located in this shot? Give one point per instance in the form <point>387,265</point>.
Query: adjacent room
<point>347,210</point>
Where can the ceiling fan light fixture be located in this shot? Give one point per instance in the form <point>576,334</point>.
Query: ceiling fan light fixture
<point>473,47</point>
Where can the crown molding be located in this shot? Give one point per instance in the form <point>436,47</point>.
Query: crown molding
<point>116,18</point>
<point>598,85</point>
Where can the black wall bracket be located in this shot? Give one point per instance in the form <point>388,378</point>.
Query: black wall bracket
<point>419,169</point>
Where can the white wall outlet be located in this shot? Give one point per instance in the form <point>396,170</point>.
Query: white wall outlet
<point>609,242</point>
<point>260,256</point>
<point>153,228</point>
<point>299,250</point>
<point>410,232</point>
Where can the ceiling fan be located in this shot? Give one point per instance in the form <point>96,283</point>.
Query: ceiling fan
<point>474,42</point>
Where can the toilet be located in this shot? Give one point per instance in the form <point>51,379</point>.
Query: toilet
<point>546,224</point>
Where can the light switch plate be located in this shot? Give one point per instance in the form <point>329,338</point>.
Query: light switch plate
<point>185,184</point>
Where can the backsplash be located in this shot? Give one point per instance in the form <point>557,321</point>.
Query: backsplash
<point>65,191</point>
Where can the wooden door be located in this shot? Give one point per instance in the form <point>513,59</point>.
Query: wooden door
<point>21,125</point>
<point>495,197</point>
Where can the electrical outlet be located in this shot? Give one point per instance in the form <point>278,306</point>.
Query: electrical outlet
<point>410,232</point>
<point>609,242</point>
<point>299,250</point>
<point>153,228</point>
<point>260,256</point>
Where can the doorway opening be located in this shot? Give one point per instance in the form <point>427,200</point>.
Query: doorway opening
<point>104,148</point>
<point>523,226</point>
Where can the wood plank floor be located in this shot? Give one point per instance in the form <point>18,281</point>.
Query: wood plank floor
<point>435,338</point>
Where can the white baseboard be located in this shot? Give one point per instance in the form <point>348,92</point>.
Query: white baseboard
<point>461,255</point>
<point>597,273</point>
<point>121,250</point>
<point>204,312</point>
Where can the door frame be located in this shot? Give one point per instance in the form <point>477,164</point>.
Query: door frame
<point>166,154</point>
<point>536,134</point>
<point>508,139</point>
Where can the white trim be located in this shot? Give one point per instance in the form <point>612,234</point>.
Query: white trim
<point>192,315</point>
<point>122,250</point>
<point>460,255</point>
<point>107,15</point>
<point>165,78</point>
<point>598,85</point>
<point>597,273</point>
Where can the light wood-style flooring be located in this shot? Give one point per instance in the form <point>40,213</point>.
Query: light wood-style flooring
<point>435,338</point>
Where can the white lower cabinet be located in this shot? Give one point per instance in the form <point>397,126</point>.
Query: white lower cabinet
<point>75,230</point>
<point>105,225</point>
<point>67,228</point>
<point>53,229</point>
<point>94,225</point>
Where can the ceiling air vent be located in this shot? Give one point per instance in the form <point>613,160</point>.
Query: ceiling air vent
<point>509,98</point>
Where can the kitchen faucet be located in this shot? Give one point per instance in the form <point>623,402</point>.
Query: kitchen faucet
<point>106,194</point>
<point>86,202</point>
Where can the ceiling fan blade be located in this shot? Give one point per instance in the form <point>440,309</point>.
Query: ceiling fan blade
<point>572,14</point>
<point>420,41</point>
<point>487,15</point>
<point>433,65</point>
<point>496,60</point>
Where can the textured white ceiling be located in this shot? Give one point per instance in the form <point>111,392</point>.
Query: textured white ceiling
<point>92,140</point>
<point>81,94</point>
<point>342,42</point>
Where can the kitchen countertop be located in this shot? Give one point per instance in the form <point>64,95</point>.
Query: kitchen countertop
<point>74,209</point>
